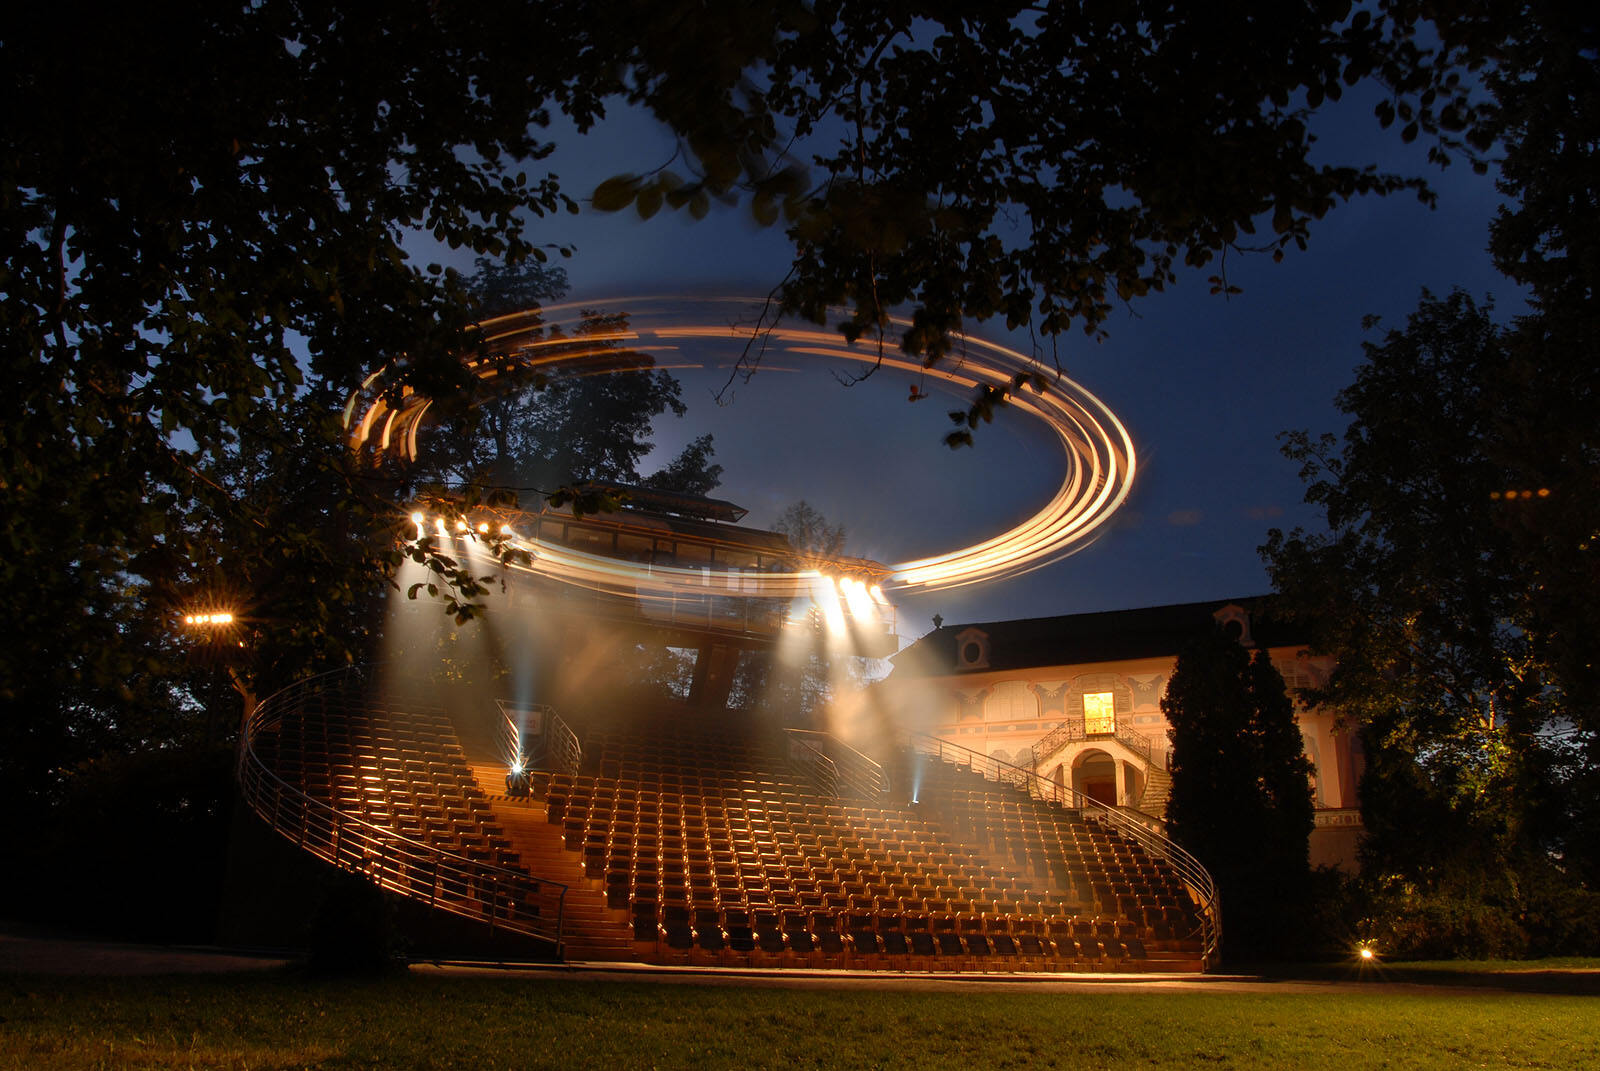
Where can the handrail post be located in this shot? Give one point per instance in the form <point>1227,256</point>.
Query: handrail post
<point>561,922</point>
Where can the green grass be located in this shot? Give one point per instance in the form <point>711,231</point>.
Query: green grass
<point>1503,966</point>
<point>285,1021</point>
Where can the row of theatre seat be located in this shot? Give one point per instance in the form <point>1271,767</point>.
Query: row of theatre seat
<point>719,852</point>
<point>393,761</point>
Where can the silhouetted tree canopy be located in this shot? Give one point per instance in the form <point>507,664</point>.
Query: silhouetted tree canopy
<point>1460,567</point>
<point>205,218</point>
<point>808,530</point>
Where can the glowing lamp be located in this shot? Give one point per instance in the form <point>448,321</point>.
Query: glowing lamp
<point>483,528</point>
<point>211,620</point>
<point>417,519</point>
<point>461,525</point>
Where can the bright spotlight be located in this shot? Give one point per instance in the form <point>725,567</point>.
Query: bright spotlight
<point>417,519</point>
<point>505,530</point>
<point>461,525</point>
<point>483,528</point>
<point>210,620</point>
<point>438,524</point>
<point>826,594</point>
<point>1365,952</point>
<point>861,607</point>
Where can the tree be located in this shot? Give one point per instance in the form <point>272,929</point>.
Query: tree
<point>692,472</point>
<point>205,221</point>
<point>1241,791</point>
<point>808,531</point>
<point>1427,588</point>
<point>1033,163</point>
<point>1456,580</point>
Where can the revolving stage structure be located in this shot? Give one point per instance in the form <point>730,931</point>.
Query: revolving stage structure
<point>687,831</point>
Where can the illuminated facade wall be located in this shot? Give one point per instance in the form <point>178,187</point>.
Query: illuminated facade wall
<point>1007,707</point>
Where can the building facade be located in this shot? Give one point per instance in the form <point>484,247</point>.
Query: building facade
<point>1077,699</point>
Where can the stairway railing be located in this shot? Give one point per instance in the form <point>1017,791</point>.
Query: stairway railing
<point>836,764</point>
<point>1189,869</point>
<point>534,735</point>
<point>1074,729</point>
<point>503,898</point>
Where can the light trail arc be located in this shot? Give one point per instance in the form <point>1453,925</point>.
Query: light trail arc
<point>1100,458</point>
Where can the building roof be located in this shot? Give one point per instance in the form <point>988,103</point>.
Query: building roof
<point>1074,639</point>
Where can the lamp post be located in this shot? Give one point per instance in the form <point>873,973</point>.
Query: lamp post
<point>220,628</point>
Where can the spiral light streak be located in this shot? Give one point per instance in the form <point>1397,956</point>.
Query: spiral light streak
<point>1099,452</point>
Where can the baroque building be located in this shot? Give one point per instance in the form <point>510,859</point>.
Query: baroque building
<point>1077,699</point>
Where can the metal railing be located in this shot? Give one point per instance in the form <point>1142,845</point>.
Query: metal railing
<point>1189,869</point>
<point>836,764</point>
<point>812,762</point>
<point>503,898</point>
<point>533,735</point>
<point>1075,729</point>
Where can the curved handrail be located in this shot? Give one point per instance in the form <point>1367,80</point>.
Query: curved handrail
<point>1186,866</point>
<point>507,899</point>
<point>1074,729</point>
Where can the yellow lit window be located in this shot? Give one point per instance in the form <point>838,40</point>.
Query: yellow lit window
<point>1099,713</point>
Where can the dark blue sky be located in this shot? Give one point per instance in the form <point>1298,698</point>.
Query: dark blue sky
<point>1205,385</point>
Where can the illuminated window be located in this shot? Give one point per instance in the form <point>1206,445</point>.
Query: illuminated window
<point>1099,713</point>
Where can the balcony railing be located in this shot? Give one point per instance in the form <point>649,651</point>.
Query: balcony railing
<point>1075,729</point>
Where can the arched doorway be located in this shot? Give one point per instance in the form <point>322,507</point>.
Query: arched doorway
<point>1094,773</point>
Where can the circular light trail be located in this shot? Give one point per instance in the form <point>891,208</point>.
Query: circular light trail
<point>674,332</point>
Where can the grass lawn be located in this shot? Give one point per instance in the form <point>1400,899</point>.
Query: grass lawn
<point>283,1020</point>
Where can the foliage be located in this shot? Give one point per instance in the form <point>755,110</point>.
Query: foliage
<point>205,221</point>
<point>692,472</point>
<point>1457,579</point>
<point>134,847</point>
<point>1241,791</point>
<point>808,530</point>
<point>1429,591</point>
<point>1035,164</point>
<point>1431,588</point>
<point>202,221</point>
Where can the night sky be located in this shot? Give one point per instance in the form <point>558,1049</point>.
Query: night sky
<point>1205,384</point>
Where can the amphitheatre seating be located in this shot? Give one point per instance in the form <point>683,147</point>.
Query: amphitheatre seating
<point>720,855</point>
<point>391,760</point>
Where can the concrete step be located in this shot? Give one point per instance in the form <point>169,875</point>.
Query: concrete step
<point>590,929</point>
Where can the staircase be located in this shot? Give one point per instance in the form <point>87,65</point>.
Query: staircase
<point>1157,789</point>
<point>1124,741</point>
<point>591,930</point>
